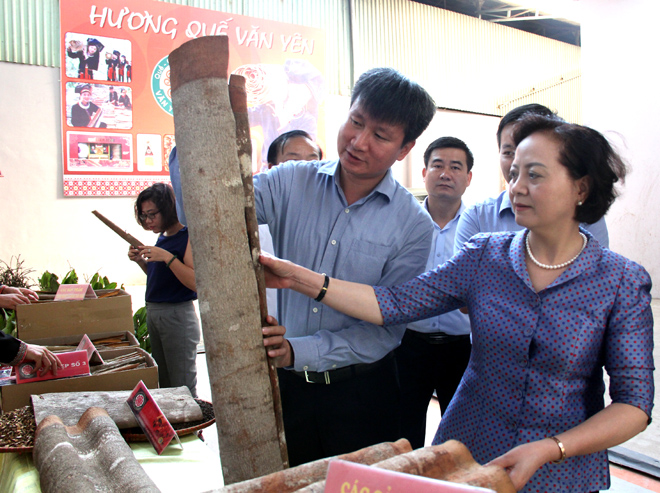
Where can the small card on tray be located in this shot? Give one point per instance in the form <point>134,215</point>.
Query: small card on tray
<point>151,419</point>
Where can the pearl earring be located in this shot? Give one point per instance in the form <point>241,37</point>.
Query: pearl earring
<point>579,203</point>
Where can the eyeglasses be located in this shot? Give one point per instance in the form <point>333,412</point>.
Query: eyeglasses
<point>148,215</point>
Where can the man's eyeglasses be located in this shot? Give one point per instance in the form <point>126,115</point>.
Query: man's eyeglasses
<point>148,215</point>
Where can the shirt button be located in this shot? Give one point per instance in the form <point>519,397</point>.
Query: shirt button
<point>528,332</point>
<point>523,362</point>
<point>315,310</point>
<point>334,242</point>
<point>305,368</point>
<point>346,211</point>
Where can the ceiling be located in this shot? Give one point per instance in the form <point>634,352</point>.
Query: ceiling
<point>513,15</point>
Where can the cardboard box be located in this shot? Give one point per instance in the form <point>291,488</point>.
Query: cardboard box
<point>15,396</point>
<point>46,319</point>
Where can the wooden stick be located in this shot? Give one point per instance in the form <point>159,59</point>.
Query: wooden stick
<point>127,237</point>
<point>238,102</point>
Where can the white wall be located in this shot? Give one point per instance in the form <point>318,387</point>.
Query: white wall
<point>620,41</point>
<point>49,231</point>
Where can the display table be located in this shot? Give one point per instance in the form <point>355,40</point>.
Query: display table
<point>196,468</point>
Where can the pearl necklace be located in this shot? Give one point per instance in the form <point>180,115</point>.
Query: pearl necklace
<point>558,266</point>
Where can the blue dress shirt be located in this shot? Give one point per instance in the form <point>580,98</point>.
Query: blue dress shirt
<point>442,249</point>
<point>383,238</point>
<point>175,178</point>
<point>536,368</point>
<point>496,214</point>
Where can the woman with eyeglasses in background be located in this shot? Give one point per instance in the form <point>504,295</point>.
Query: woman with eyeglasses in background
<point>173,325</point>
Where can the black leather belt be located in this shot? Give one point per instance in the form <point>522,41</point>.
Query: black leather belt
<point>343,374</point>
<point>439,337</point>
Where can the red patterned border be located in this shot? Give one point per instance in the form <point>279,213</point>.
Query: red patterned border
<point>113,187</point>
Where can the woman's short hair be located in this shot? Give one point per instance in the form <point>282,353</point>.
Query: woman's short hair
<point>584,152</point>
<point>162,195</point>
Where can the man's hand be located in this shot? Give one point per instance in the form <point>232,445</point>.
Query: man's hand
<point>43,358</point>
<point>278,272</point>
<point>277,347</point>
<point>11,297</point>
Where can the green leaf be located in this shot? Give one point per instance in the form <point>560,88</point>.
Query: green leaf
<point>8,322</point>
<point>48,282</point>
<point>141,330</point>
<point>70,278</point>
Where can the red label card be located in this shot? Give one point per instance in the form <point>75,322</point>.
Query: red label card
<point>345,477</point>
<point>75,292</point>
<point>151,419</point>
<point>74,363</point>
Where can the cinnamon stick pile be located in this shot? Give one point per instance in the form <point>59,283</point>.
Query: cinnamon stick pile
<point>130,361</point>
<point>450,461</point>
<point>100,344</point>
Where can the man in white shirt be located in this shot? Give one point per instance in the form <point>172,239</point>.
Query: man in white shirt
<point>435,352</point>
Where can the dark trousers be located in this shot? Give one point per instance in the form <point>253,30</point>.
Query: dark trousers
<point>324,420</point>
<point>423,368</point>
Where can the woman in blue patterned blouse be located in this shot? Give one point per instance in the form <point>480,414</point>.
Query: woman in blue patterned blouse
<point>549,308</point>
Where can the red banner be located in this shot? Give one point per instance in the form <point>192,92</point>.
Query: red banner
<point>117,121</point>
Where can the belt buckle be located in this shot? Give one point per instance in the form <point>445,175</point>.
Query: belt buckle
<point>326,375</point>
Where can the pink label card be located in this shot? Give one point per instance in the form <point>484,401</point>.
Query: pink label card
<point>76,292</point>
<point>347,477</point>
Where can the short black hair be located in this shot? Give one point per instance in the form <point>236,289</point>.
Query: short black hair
<point>162,195</point>
<point>516,113</point>
<point>449,143</point>
<point>584,152</point>
<point>280,141</point>
<point>390,97</point>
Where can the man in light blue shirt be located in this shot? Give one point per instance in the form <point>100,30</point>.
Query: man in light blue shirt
<point>435,352</point>
<point>350,219</point>
<point>496,214</point>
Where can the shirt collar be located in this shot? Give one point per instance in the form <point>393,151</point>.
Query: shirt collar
<point>506,202</point>
<point>387,186</point>
<point>455,218</point>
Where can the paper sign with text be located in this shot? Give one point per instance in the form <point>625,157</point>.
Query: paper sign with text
<point>151,419</point>
<point>347,477</point>
<point>76,292</point>
<point>93,355</point>
<point>74,364</point>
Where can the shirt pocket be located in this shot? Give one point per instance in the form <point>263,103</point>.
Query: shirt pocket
<point>365,262</point>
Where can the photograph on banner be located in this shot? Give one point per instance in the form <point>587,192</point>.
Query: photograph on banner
<point>281,98</point>
<point>97,57</point>
<point>99,152</point>
<point>149,156</point>
<point>90,105</point>
<point>168,144</point>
